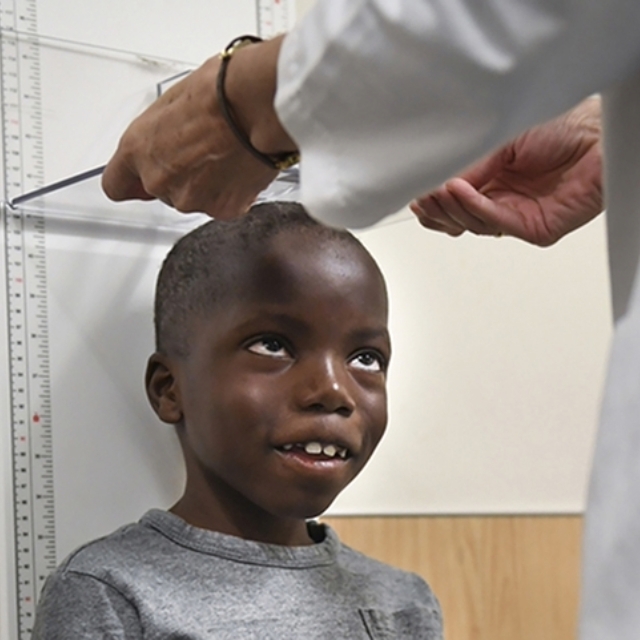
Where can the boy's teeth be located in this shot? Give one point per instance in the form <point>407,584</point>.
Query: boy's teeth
<point>329,450</point>
<point>316,448</point>
<point>313,448</point>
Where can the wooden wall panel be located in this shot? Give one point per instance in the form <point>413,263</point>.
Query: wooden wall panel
<point>497,578</point>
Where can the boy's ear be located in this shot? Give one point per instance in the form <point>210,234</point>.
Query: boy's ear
<point>162,388</point>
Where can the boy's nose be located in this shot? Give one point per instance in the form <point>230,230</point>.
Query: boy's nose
<point>326,387</point>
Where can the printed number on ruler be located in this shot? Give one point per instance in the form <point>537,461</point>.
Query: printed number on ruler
<point>275,17</point>
<point>31,428</point>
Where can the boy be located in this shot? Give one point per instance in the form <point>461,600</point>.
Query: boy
<point>271,357</point>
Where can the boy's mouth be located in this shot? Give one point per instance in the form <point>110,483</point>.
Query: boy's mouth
<point>315,448</point>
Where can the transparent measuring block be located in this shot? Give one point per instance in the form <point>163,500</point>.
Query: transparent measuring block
<point>81,197</point>
<point>87,96</point>
<point>104,89</point>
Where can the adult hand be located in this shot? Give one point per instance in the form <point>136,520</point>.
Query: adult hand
<point>539,187</point>
<point>181,150</point>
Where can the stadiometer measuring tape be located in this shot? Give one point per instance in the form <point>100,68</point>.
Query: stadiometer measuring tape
<point>275,16</point>
<point>32,430</point>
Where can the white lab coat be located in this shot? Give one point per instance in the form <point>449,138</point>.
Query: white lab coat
<point>388,98</point>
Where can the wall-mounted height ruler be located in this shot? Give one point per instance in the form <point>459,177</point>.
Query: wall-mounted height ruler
<point>31,428</point>
<point>275,16</point>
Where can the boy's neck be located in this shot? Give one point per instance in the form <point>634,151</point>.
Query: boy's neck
<point>231,517</point>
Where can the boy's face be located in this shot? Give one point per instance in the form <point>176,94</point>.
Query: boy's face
<point>282,396</point>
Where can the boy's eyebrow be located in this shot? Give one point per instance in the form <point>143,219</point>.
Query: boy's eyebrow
<point>278,318</point>
<point>302,327</point>
<point>371,334</point>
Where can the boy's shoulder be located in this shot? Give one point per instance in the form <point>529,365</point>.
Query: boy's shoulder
<point>125,549</point>
<point>377,574</point>
<point>391,598</point>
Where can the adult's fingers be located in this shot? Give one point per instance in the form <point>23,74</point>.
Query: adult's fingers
<point>462,208</point>
<point>120,182</point>
<point>497,216</point>
<point>434,226</point>
<point>431,216</point>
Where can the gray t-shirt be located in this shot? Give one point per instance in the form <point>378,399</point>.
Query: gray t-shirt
<point>162,578</point>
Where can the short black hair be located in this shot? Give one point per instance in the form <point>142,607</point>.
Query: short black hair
<point>198,271</point>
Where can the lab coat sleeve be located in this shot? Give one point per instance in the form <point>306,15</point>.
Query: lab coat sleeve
<point>388,98</point>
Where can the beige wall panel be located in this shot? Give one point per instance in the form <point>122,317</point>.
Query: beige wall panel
<point>497,578</point>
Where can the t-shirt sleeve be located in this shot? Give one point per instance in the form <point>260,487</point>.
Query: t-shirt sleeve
<point>415,614</point>
<point>427,600</point>
<point>75,605</point>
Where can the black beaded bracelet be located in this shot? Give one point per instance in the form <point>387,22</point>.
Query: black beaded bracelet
<point>279,161</point>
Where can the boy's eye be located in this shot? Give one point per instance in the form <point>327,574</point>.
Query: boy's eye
<point>268,346</point>
<point>368,361</point>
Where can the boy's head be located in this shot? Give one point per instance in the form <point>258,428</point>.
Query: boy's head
<point>272,349</point>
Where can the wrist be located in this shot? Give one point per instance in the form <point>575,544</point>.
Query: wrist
<point>251,84</point>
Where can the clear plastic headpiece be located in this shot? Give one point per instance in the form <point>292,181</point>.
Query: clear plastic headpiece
<point>286,187</point>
